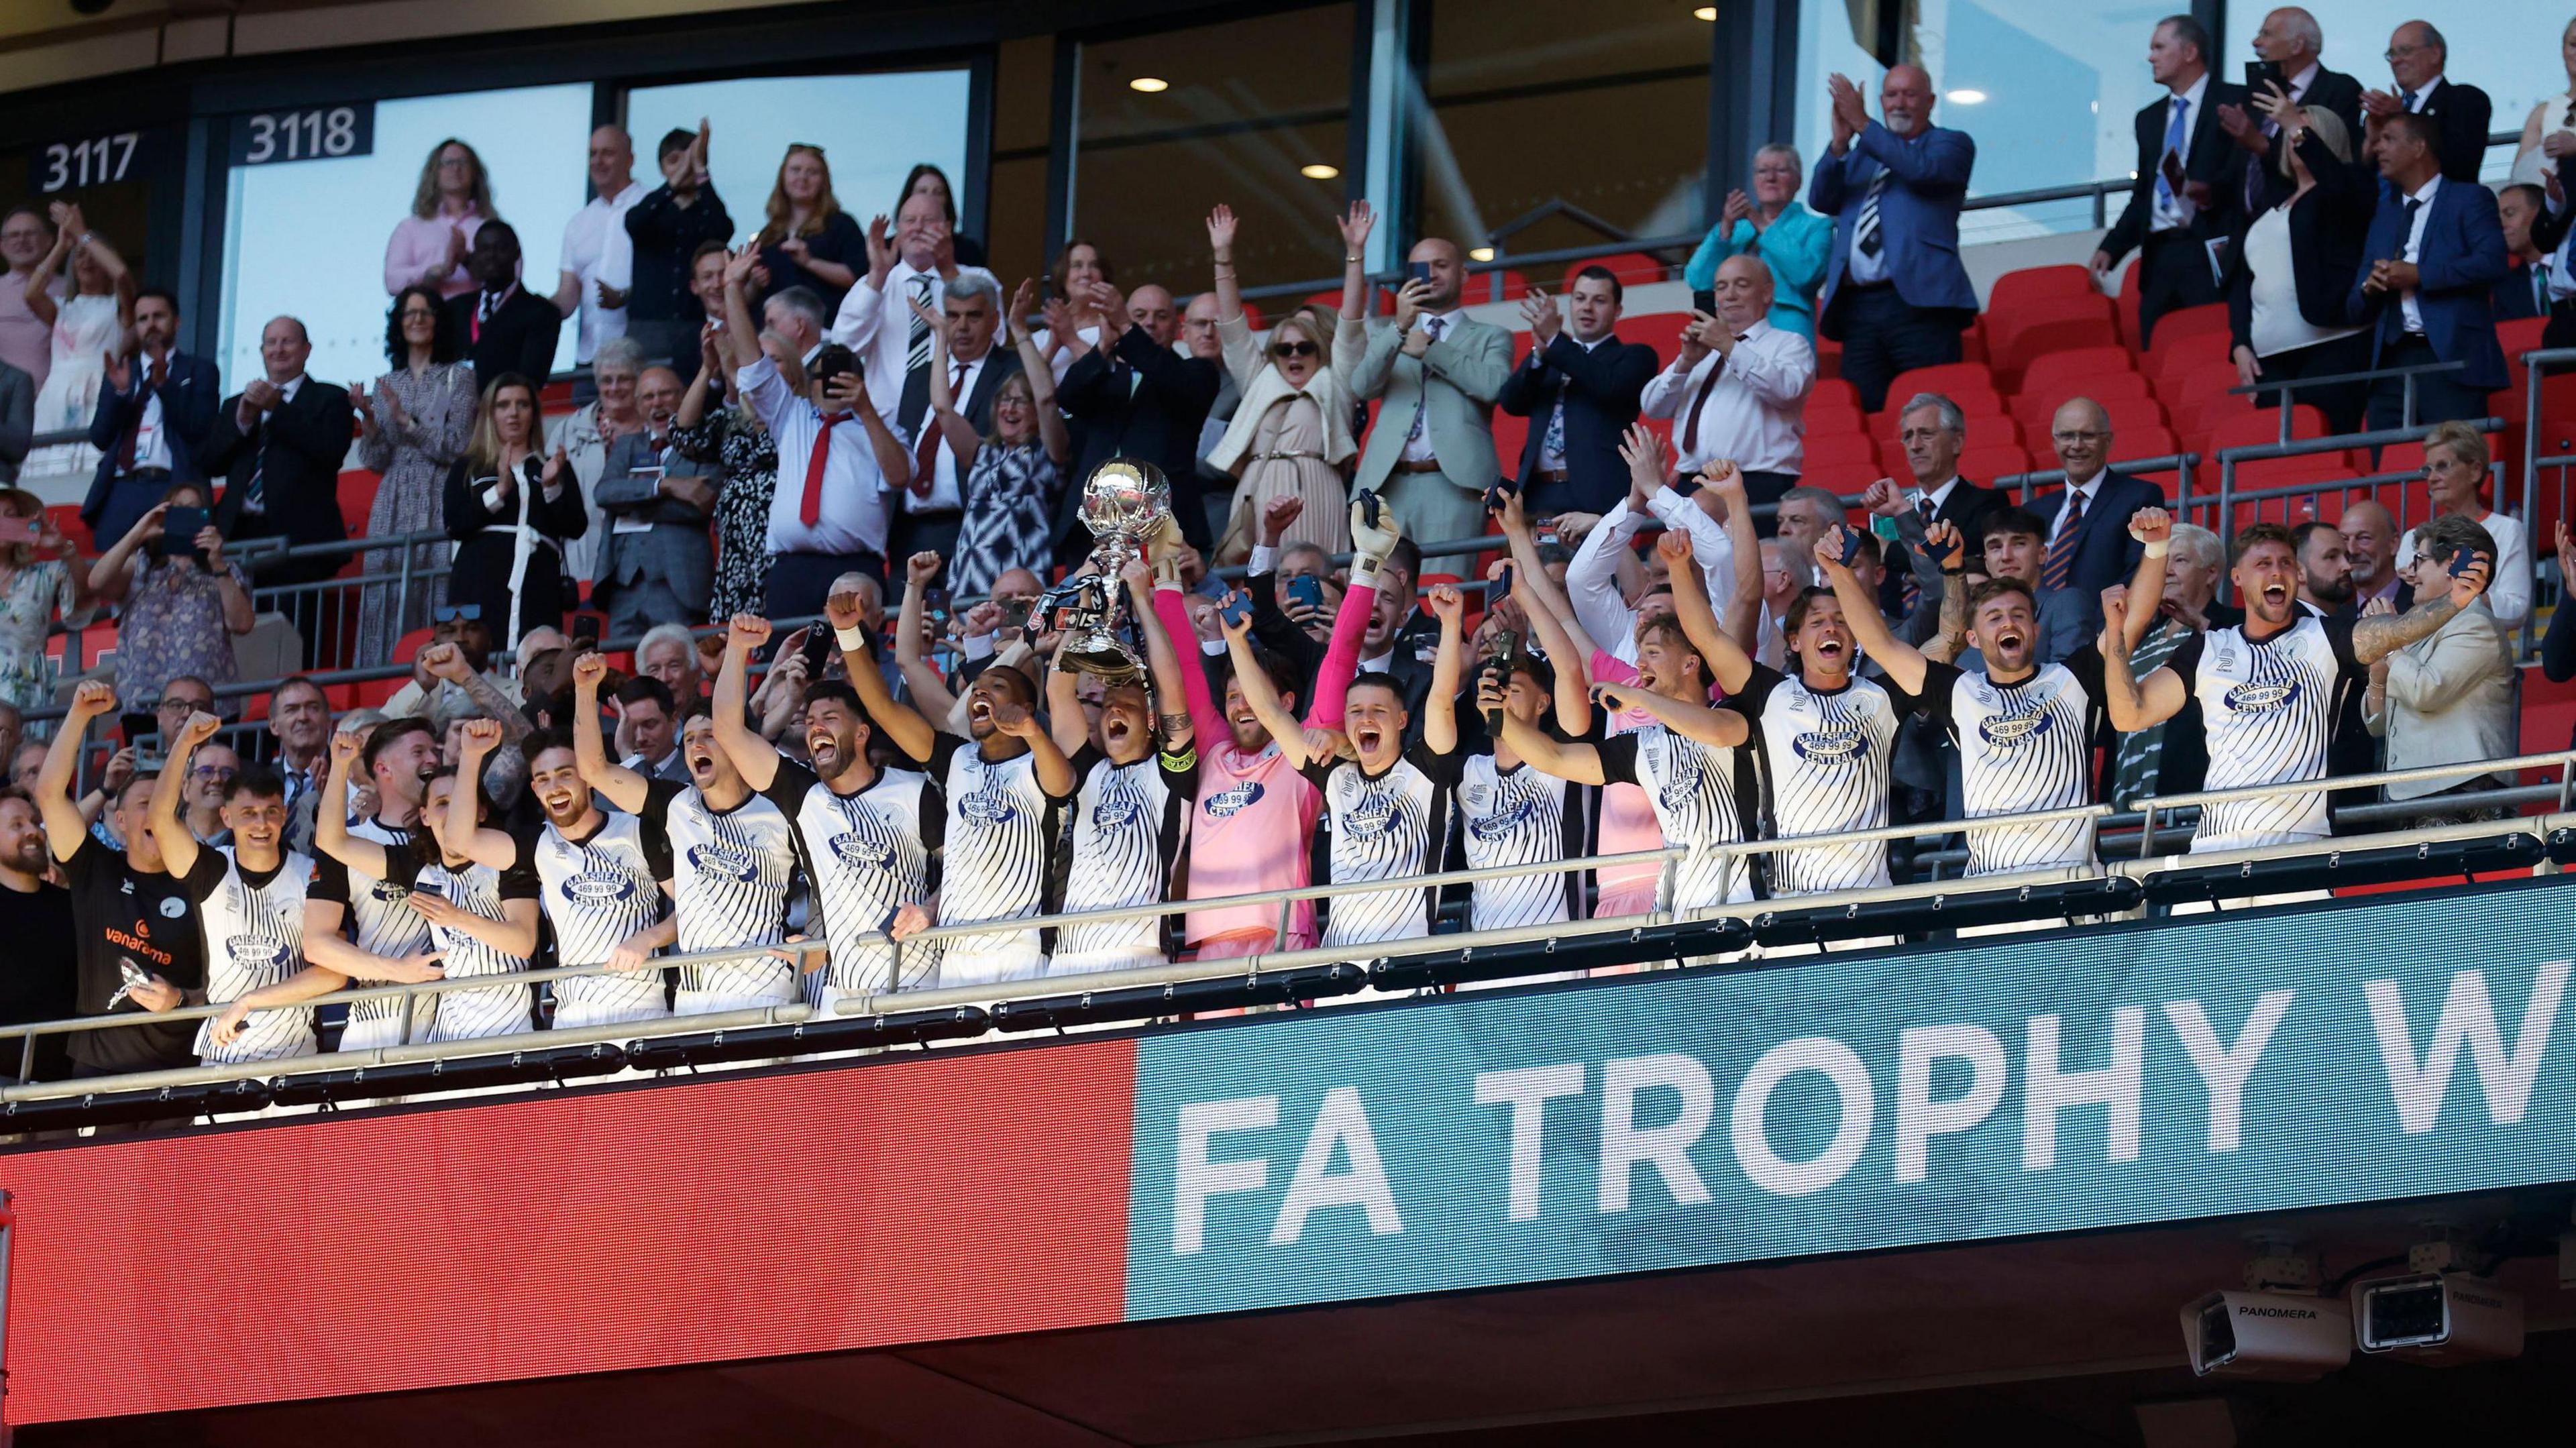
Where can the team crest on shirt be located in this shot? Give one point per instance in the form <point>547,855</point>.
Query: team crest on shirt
<point>724,860</point>
<point>988,807</point>
<point>172,907</point>
<point>1226,803</point>
<point>2011,731</point>
<point>386,892</point>
<point>600,887</point>
<point>1371,817</point>
<point>2262,696</point>
<point>255,952</point>
<point>862,852</point>
<point>1829,746</point>
<point>1682,774</point>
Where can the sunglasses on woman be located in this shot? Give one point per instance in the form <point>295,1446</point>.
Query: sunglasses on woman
<point>1292,349</point>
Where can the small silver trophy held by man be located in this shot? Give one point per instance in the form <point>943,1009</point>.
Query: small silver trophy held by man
<point>1125,502</point>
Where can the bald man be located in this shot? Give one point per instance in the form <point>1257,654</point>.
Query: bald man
<point>1895,293</point>
<point>1738,388</point>
<point>2370,539</point>
<point>1137,397</point>
<point>2417,59</point>
<point>598,257</point>
<point>2290,39</point>
<point>2087,547</point>
<point>1431,453</point>
<point>290,432</point>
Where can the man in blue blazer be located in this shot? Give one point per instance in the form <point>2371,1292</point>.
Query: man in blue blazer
<point>155,409</point>
<point>2435,251</point>
<point>1895,294</point>
<point>2087,547</point>
<point>1580,389</point>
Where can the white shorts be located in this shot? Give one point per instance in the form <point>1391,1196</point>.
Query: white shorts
<point>375,1034</point>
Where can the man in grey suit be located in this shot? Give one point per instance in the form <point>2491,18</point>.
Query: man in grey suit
<point>1431,454</point>
<point>659,566</point>
<point>17,419</point>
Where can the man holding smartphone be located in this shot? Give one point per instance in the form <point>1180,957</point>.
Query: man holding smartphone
<point>1439,373</point>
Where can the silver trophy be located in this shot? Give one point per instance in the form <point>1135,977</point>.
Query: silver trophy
<point>1124,503</point>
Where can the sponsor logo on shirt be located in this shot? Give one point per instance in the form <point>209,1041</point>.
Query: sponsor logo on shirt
<point>255,951</point>
<point>1226,803</point>
<point>724,860</point>
<point>1116,811</point>
<point>987,807</point>
<point>862,852</point>
<point>172,907</point>
<point>1371,816</point>
<point>1503,821</point>
<point>2261,696</point>
<point>1829,746</point>
<point>386,892</point>
<point>2011,731</point>
<point>600,887</point>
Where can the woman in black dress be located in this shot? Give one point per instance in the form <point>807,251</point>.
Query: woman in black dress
<point>510,510</point>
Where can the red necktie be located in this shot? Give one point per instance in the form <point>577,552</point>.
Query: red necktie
<point>1699,399</point>
<point>812,511</point>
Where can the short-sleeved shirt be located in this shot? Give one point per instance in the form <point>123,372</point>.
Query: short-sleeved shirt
<point>2023,747</point>
<point>597,891</point>
<point>131,924</point>
<point>1518,816</point>
<point>1691,786</point>
<point>731,871</point>
<point>254,930</point>
<point>1127,824</point>
<point>1825,756</point>
<point>1003,829</point>
<point>1384,827</point>
<point>417,864</point>
<point>869,853</point>
<point>380,920</point>
<point>2268,711</point>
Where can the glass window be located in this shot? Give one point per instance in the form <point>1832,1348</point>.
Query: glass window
<point>113,177</point>
<point>2509,51</point>
<point>1253,113</point>
<point>1509,150</point>
<point>2050,91</point>
<point>307,238</point>
<point>873,129</point>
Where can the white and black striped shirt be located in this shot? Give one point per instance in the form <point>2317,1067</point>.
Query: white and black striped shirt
<point>2268,711</point>
<point>478,890</point>
<point>730,874</point>
<point>1384,828</point>
<point>1692,787</point>
<point>869,854</point>
<point>597,892</point>
<point>254,932</point>
<point>1127,823</point>
<point>2023,747</point>
<point>1518,816</point>
<point>1002,833</point>
<point>1824,764</point>
<point>380,919</point>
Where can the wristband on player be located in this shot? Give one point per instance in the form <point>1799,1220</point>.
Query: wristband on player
<point>2159,548</point>
<point>852,640</point>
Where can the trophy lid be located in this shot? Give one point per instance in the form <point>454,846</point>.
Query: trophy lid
<point>1125,497</point>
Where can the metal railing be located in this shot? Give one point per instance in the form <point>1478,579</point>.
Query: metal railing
<point>2179,464</point>
<point>2232,458</point>
<point>2289,388</point>
<point>2150,806</point>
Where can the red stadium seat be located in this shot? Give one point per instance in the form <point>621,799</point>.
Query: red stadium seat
<point>1845,480</point>
<point>1950,378</point>
<point>2003,333</point>
<point>1987,461</point>
<point>2074,362</point>
<point>408,647</point>
<point>357,500</point>
<point>2189,322</point>
<point>1252,316</point>
<point>2031,347</point>
<point>1836,449</point>
<point>1829,358</point>
<point>1836,421</point>
<point>2017,289</point>
<point>1834,389</point>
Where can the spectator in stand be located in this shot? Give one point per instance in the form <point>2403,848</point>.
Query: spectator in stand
<point>669,652</point>
<point>183,601</point>
<point>1013,465</point>
<point>2457,114</point>
<point>589,435</point>
<point>299,721</point>
<point>672,232</point>
<point>1074,324</point>
<point>155,411</point>
<point>2447,699</point>
<point>875,319</point>
<point>41,983</point>
<point>2523,292</point>
<point>2325,574</point>
<point>509,510</point>
<point>162,714</point>
<point>807,241</point>
<point>1580,390</point>
<point>2370,546</point>
<point>2189,184</point>
<point>656,565</point>
<point>278,446</point>
<point>1199,338</point>
<point>598,261</point>
<point>1775,227</point>
<point>506,329</point>
<point>2293,264</point>
<point>2088,544</point>
<point>951,409</point>
<point>39,582</point>
<point>1933,431</point>
<point>832,521</point>
<point>95,320</point>
<point>18,420</point>
<point>430,246</point>
<point>1134,396</point>
<point>648,730</point>
<point>1895,294</point>
<point>454,672</point>
<point>1738,388</point>
<point>2455,474</point>
<point>2289,38</point>
<point>1437,371</point>
<point>713,427</point>
<point>1291,435</point>
<point>2437,250</point>
<point>2549,132</point>
<point>422,412</point>
<point>2558,645</point>
<point>928,180</point>
<point>26,340</point>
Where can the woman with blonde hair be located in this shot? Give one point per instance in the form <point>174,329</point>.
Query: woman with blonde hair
<point>2549,132</point>
<point>2290,267</point>
<point>808,240</point>
<point>452,202</point>
<point>2455,475</point>
<point>1293,432</point>
<point>510,510</point>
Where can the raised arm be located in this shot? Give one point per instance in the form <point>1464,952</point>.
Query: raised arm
<point>624,788</point>
<point>2152,530</point>
<point>1229,290</point>
<point>65,825</point>
<point>459,830</point>
<point>929,686</point>
<point>1052,430</point>
<point>1440,709</point>
<point>1903,663</point>
<point>1542,751</point>
<point>901,723</point>
<point>1374,534</point>
<point>1721,728</point>
<point>754,758</point>
<point>1728,663</point>
<point>331,821</point>
<point>1172,610</point>
<point>178,846</point>
<point>1262,697</point>
<point>1162,658</point>
<point>1355,227</point>
<point>2134,703</point>
<point>1054,770</point>
<point>2374,639</point>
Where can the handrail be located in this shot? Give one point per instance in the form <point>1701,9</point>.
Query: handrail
<point>2180,464</point>
<point>2152,805</point>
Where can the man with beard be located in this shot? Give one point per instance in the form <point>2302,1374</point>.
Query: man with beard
<point>2267,687</point>
<point>1005,782</point>
<point>1133,801</point>
<point>1509,811</point>
<point>602,879</point>
<point>399,758</point>
<point>732,855</point>
<point>2325,570</point>
<point>868,836</point>
<point>36,919</point>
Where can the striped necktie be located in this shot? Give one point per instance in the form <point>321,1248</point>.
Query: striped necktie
<point>916,356</point>
<point>2059,570</point>
<point>1865,238</point>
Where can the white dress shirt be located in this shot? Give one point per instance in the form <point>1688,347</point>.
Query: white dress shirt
<point>878,326</point>
<point>2176,213</point>
<point>947,490</point>
<point>151,439</point>
<point>2406,300</point>
<point>1755,411</point>
<point>1592,579</point>
<point>1930,503</point>
<point>1417,441</point>
<point>596,248</point>
<point>853,514</point>
<point>1551,428</point>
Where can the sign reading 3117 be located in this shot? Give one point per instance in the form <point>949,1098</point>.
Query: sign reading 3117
<point>91,161</point>
<point>311,133</point>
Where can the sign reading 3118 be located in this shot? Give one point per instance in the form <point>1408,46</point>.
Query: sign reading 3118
<point>311,133</point>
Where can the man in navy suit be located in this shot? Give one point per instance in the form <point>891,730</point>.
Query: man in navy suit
<point>2189,179</point>
<point>154,412</point>
<point>2435,252</point>
<point>2087,547</point>
<point>2523,292</point>
<point>1580,389</point>
<point>2417,57</point>
<point>1895,294</point>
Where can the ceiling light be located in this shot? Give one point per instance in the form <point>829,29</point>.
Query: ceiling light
<point>1705,12</point>
<point>1149,84</point>
<point>1318,171</point>
<point>1967,97</point>
<point>1480,253</point>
